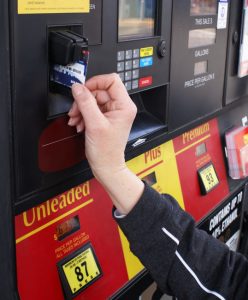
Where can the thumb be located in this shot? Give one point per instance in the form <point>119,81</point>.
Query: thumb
<point>87,105</point>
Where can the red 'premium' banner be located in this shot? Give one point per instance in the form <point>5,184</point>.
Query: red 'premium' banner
<point>195,149</point>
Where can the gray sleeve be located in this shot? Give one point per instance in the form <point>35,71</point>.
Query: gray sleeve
<point>183,260</point>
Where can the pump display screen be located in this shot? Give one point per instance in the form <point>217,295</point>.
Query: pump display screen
<point>202,37</point>
<point>136,19</point>
<point>203,7</point>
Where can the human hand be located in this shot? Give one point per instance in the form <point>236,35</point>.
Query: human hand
<point>105,111</point>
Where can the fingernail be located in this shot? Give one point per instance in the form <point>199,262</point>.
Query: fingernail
<point>70,123</point>
<point>79,129</point>
<point>77,89</point>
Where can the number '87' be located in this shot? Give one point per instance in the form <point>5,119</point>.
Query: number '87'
<point>81,272</point>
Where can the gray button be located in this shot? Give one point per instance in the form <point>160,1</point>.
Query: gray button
<point>135,84</point>
<point>129,54</point>
<point>121,55</point>
<point>122,76</point>
<point>136,53</point>
<point>128,85</point>
<point>120,66</point>
<point>136,63</point>
<point>128,65</point>
<point>128,75</point>
<point>136,74</point>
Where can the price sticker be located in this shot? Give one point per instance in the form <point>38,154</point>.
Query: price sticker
<point>79,271</point>
<point>208,178</point>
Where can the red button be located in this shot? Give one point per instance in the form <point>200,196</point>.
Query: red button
<point>146,81</point>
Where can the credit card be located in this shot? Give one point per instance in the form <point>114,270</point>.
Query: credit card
<point>70,74</point>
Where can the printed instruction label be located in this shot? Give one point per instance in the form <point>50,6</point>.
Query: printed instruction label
<point>53,6</point>
<point>222,14</point>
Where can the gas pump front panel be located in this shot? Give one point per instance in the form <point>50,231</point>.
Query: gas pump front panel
<point>47,151</point>
<point>199,43</point>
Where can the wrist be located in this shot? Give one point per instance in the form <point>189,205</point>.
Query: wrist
<point>123,187</point>
<point>109,175</point>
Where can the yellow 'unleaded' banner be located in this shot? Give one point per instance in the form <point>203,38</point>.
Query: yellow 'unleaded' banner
<point>53,6</point>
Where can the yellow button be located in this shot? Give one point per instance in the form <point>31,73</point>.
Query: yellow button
<point>148,51</point>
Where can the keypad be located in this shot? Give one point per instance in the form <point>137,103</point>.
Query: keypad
<point>129,64</point>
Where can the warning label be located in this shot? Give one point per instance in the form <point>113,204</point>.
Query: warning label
<point>53,6</point>
<point>224,223</point>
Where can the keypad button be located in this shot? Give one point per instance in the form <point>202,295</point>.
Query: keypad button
<point>136,63</point>
<point>128,85</point>
<point>120,66</point>
<point>128,75</point>
<point>128,65</point>
<point>135,84</point>
<point>122,76</point>
<point>146,81</point>
<point>136,53</point>
<point>129,54</point>
<point>120,55</point>
<point>146,62</point>
<point>136,74</point>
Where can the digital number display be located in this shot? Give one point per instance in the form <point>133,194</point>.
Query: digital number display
<point>79,271</point>
<point>150,179</point>
<point>208,178</point>
<point>202,37</point>
<point>203,7</point>
<point>200,150</point>
<point>201,67</point>
<point>68,227</point>
<point>136,19</point>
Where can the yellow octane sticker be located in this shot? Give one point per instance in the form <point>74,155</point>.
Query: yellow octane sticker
<point>209,178</point>
<point>81,270</point>
<point>146,51</point>
<point>53,6</point>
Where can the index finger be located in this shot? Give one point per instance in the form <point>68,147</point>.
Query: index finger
<point>110,83</point>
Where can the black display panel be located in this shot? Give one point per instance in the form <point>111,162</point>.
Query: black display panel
<point>203,7</point>
<point>197,63</point>
<point>136,19</point>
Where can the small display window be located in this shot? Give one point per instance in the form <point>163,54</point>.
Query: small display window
<point>200,150</point>
<point>201,67</point>
<point>203,7</point>
<point>202,37</point>
<point>150,179</point>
